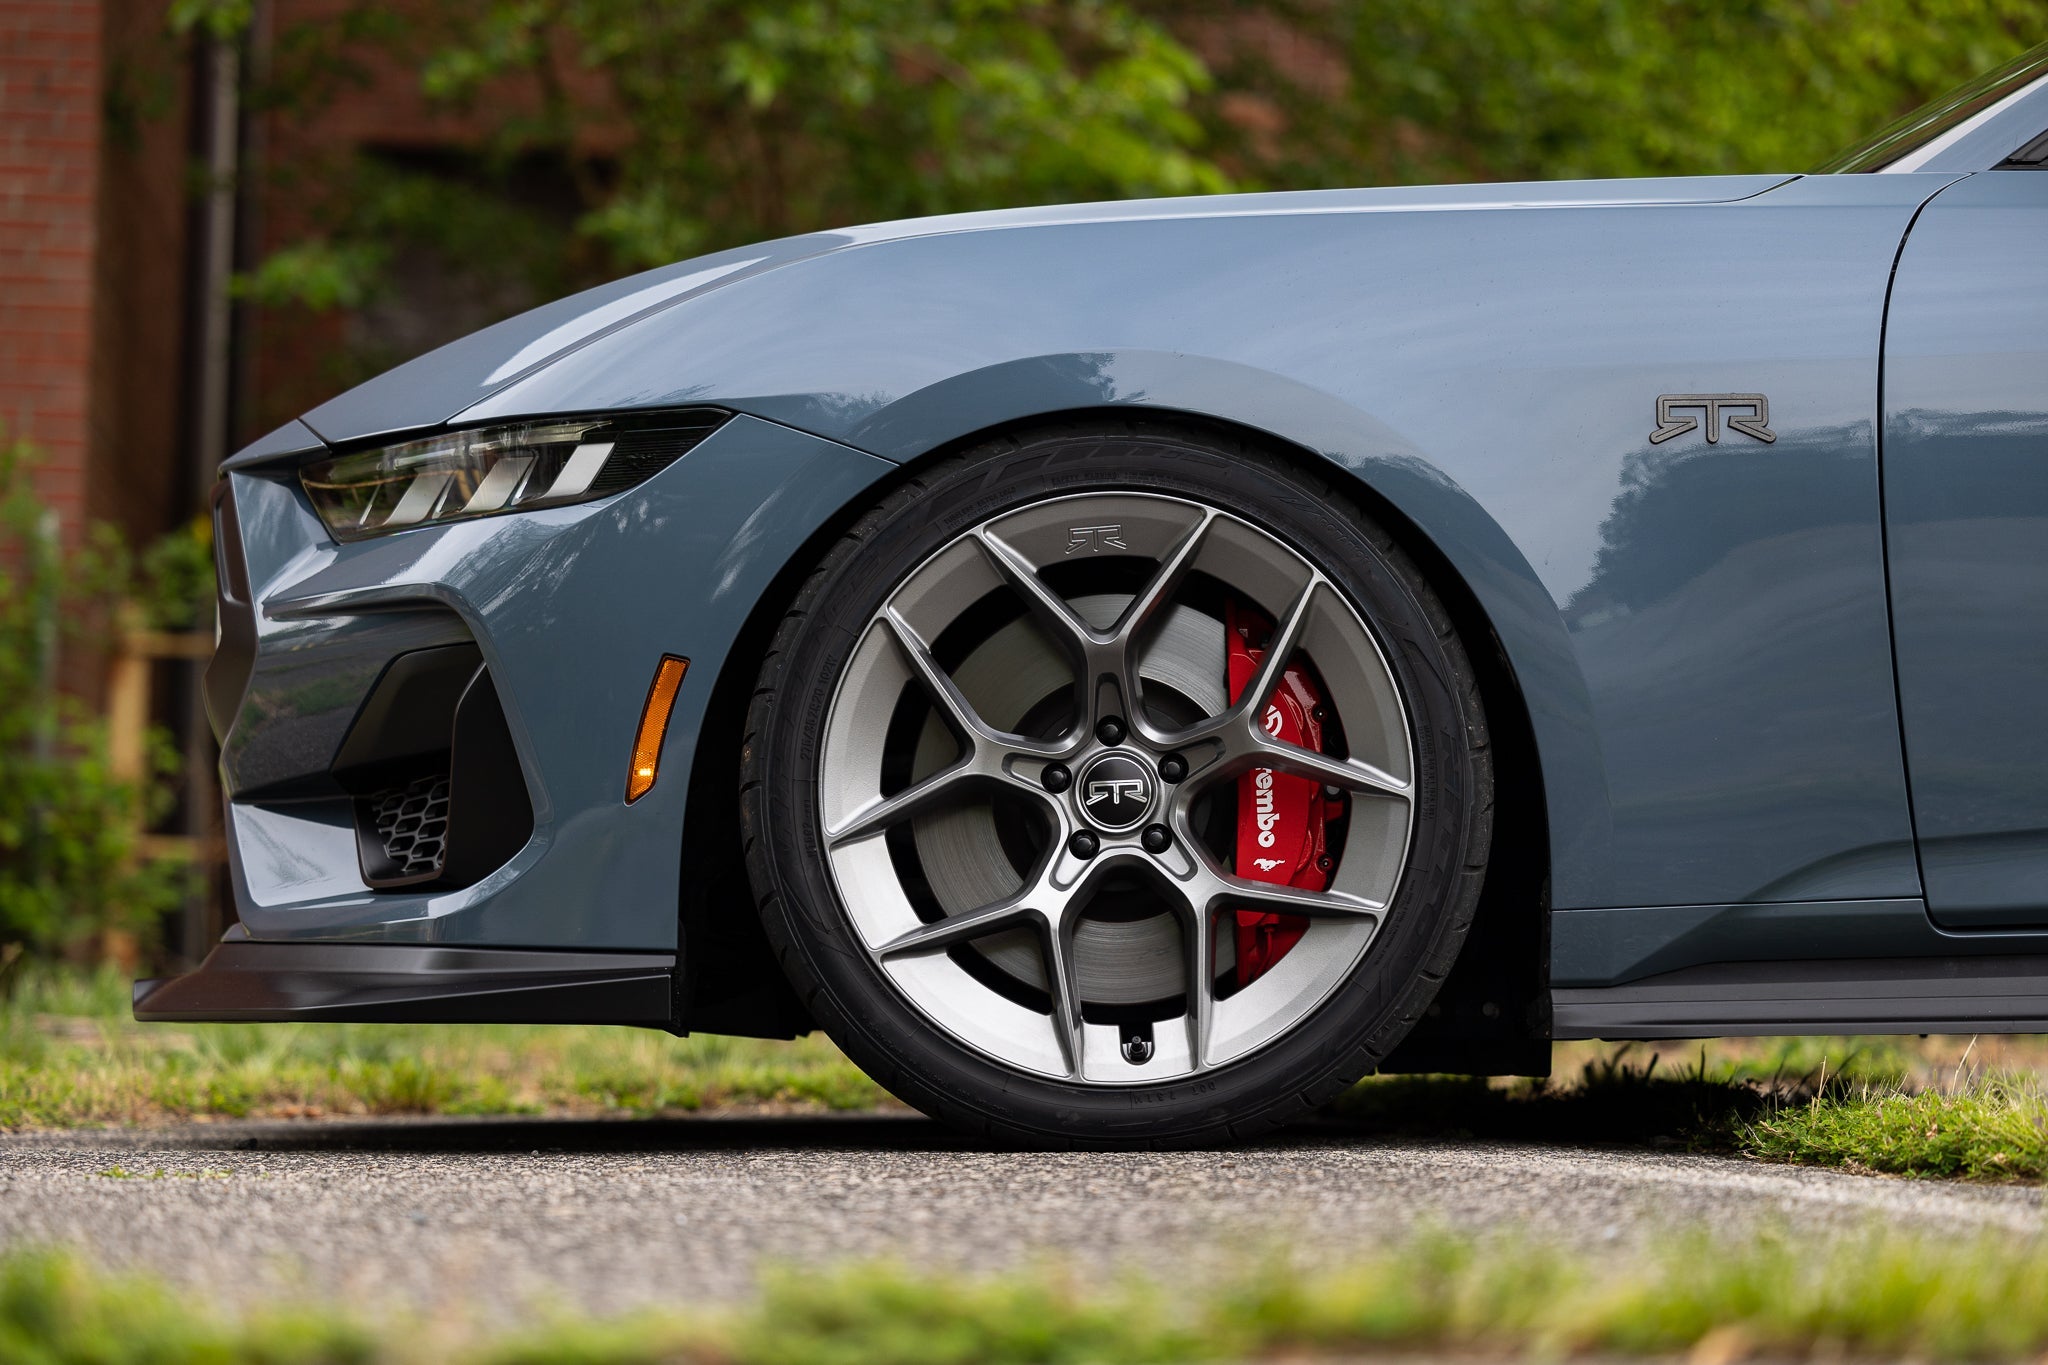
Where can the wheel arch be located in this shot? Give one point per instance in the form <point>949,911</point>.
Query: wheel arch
<point>1435,498</point>
<point>1493,1014</point>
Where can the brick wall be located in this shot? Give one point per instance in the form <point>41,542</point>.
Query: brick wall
<point>140,475</point>
<point>50,130</point>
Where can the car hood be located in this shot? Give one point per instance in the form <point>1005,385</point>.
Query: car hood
<point>433,388</point>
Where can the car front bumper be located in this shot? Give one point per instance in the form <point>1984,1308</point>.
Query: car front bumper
<point>567,612</point>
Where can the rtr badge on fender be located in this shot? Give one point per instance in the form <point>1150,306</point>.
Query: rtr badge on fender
<point>1755,421</point>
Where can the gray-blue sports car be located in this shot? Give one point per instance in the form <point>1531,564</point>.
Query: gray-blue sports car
<point>1126,671</point>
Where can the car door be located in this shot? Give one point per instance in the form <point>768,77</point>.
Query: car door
<point>1965,461</point>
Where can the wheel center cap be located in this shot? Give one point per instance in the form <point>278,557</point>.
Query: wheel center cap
<point>1115,791</point>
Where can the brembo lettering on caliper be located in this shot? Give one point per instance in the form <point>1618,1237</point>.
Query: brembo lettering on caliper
<point>1282,820</point>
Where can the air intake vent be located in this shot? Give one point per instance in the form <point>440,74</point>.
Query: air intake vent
<point>440,798</point>
<point>411,823</point>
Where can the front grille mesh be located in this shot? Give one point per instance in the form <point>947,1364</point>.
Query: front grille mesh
<point>412,824</point>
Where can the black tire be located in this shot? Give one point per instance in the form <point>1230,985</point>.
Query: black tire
<point>880,1030</point>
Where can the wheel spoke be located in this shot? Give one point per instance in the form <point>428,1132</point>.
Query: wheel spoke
<point>1165,580</point>
<point>1122,648</point>
<point>1234,732</point>
<point>885,811</point>
<point>961,928</point>
<point>1201,956</point>
<point>981,737</point>
<point>1349,773</point>
<point>1048,606</point>
<point>944,694</point>
<point>1203,744</point>
<point>1239,893</point>
<point>1063,984</point>
<point>1280,648</point>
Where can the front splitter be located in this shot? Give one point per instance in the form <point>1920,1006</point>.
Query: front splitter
<point>243,980</point>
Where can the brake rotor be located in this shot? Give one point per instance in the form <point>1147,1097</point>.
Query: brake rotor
<point>1014,672</point>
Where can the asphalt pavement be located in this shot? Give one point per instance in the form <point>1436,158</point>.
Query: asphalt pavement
<point>513,1217</point>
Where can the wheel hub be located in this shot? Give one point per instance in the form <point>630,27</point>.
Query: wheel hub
<point>1117,791</point>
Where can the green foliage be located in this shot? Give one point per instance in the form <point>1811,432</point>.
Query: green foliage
<point>755,120</point>
<point>619,134</point>
<point>222,19</point>
<point>614,134</point>
<point>69,866</point>
<point>507,253</point>
<point>316,273</point>
<point>1452,90</point>
<point>172,585</point>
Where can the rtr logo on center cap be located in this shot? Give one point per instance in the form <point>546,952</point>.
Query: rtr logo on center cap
<point>1116,792</point>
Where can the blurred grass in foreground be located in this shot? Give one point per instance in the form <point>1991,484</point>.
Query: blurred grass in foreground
<point>1781,1296</point>
<point>71,1054</point>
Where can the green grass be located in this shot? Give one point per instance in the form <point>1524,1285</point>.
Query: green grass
<point>70,1054</point>
<point>1777,1296</point>
<point>1994,1128</point>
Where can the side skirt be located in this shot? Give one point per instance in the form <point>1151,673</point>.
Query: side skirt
<point>1877,995</point>
<point>406,983</point>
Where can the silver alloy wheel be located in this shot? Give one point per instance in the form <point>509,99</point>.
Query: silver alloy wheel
<point>1064,710</point>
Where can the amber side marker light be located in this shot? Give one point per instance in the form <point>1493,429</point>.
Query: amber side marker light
<point>661,699</point>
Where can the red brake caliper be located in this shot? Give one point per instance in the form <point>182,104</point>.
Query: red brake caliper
<point>1281,819</point>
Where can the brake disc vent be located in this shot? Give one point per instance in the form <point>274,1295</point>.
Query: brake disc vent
<point>411,823</point>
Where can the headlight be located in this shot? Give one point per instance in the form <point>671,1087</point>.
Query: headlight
<point>488,470</point>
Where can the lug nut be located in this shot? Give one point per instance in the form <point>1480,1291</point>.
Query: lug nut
<point>1056,777</point>
<point>1156,839</point>
<point>1111,731</point>
<point>1083,844</point>
<point>1173,767</point>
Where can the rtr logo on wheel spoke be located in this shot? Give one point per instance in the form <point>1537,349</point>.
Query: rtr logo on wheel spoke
<point>1095,539</point>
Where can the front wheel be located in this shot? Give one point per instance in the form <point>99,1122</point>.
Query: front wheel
<point>1116,788</point>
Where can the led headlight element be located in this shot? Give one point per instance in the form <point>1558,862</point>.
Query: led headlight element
<point>489,470</point>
